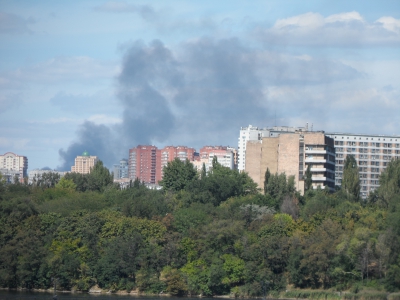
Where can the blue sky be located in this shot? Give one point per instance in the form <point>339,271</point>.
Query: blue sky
<point>105,76</point>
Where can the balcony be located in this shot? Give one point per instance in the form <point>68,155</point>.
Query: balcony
<point>315,151</point>
<point>316,160</point>
<point>321,179</point>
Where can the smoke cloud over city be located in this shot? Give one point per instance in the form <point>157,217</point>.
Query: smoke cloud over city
<point>200,94</point>
<point>107,76</point>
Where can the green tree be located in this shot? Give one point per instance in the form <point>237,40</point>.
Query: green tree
<point>81,180</point>
<point>308,179</point>
<point>178,174</point>
<point>47,179</point>
<point>66,184</point>
<point>203,171</point>
<point>280,186</point>
<point>99,177</point>
<point>389,189</point>
<point>351,177</point>
<point>266,179</point>
<point>174,280</point>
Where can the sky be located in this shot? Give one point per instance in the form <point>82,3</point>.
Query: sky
<point>106,76</point>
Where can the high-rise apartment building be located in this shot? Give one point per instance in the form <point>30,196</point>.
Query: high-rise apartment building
<point>144,163</point>
<point>147,162</point>
<point>252,133</point>
<point>84,163</point>
<point>372,153</point>
<point>292,154</point>
<point>121,169</point>
<point>169,153</point>
<point>224,155</point>
<point>13,165</point>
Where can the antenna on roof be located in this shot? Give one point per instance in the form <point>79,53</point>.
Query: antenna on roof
<point>312,125</point>
<point>275,117</point>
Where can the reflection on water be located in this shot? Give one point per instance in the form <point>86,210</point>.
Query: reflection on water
<point>24,295</point>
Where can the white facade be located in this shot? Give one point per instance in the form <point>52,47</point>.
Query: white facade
<point>37,174</point>
<point>15,164</point>
<point>372,153</point>
<point>252,133</point>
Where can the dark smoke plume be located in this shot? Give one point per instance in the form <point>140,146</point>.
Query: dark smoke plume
<point>200,94</point>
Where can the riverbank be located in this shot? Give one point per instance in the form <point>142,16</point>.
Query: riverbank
<point>287,295</point>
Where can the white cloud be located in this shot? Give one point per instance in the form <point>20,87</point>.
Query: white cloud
<point>344,17</point>
<point>344,29</point>
<point>390,24</point>
<point>311,20</point>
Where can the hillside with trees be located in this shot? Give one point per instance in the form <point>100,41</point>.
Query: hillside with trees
<point>213,233</point>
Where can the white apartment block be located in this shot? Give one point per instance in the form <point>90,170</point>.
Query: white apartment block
<point>36,174</point>
<point>372,153</point>
<point>224,155</point>
<point>12,165</point>
<point>252,133</point>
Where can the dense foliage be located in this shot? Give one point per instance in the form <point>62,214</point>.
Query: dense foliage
<point>209,234</point>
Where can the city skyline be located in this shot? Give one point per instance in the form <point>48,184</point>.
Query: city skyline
<point>104,76</point>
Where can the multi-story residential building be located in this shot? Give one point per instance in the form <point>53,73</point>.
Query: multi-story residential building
<point>144,163</point>
<point>13,165</point>
<point>36,174</point>
<point>84,163</point>
<point>224,155</point>
<point>169,153</point>
<point>372,153</point>
<point>147,162</point>
<point>252,133</point>
<point>292,154</point>
<point>121,169</point>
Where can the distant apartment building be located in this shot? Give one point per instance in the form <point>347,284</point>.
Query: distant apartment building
<point>121,170</point>
<point>224,155</point>
<point>13,165</point>
<point>36,174</point>
<point>292,154</point>
<point>84,163</point>
<point>147,162</point>
<point>372,153</point>
<point>169,153</point>
<point>252,133</point>
<point>143,163</point>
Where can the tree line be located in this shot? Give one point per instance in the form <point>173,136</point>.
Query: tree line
<point>209,233</point>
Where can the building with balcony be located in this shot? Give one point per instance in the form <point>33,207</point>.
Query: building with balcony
<point>169,153</point>
<point>13,165</point>
<point>84,163</point>
<point>224,155</point>
<point>372,153</point>
<point>252,133</point>
<point>292,154</point>
<point>144,163</point>
<point>121,170</point>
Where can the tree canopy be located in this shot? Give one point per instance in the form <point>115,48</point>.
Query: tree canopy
<point>351,177</point>
<point>214,234</point>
